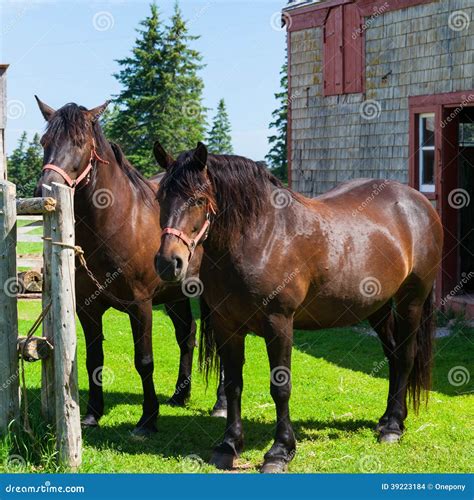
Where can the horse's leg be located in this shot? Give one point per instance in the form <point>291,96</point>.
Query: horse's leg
<point>279,340</point>
<point>383,322</point>
<point>408,319</point>
<point>220,408</point>
<point>233,356</point>
<point>185,330</point>
<point>91,321</point>
<point>141,322</point>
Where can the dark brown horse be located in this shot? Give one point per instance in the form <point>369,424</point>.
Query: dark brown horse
<point>117,226</point>
<point>275,260</point>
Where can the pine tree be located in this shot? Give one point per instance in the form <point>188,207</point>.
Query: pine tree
<point>16,159</point>
<point>184,112</point>
<point>33,165</point>
<point>25,164</point>
<point>277,157</point>
<point>161,95</point>
<point>219,139</point>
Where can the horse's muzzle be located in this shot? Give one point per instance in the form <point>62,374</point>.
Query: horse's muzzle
<point>169,268</point>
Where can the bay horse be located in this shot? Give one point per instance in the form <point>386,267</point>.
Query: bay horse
<point>275,260</point>
<point>117,226</point>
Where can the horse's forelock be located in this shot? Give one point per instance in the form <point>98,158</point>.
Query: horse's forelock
<point>69,121</point>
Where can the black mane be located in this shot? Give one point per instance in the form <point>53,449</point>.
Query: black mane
<point>239,188</point>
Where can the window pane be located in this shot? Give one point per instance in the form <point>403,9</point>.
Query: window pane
<point>427,171</point>
<point>427,131</point>
<point>466,135</point>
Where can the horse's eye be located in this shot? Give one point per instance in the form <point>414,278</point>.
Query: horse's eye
<point>199,202</point>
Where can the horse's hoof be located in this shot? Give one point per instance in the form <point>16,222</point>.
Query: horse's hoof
<point>219,412</point>
<point>174,401</point>
<point>274,466</point>
<point>389,437</point>
<point>89,421</point>
<point>224,461</point>
<point>144,432</point>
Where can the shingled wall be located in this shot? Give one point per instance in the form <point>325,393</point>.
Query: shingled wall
<point>331,141</point>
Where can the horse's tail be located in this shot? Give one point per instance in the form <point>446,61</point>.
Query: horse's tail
<point>420,377</point>
<point>208,356</point>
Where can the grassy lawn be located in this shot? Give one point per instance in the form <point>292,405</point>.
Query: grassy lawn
<point>23,247</point>
<point>339,391</point>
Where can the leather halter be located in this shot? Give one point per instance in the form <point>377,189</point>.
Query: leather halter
<point>192,243</point>
<point>73,183</point>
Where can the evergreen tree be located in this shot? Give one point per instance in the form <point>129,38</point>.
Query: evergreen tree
<point>277,157</point>
<point>15,161</point>
<point>25,165</point>
<point>161,95</point>
<point>219,140</point>
<point>33,165</point>
<point>184,113</point>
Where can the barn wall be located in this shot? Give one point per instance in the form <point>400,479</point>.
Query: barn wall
<point>331,141</point>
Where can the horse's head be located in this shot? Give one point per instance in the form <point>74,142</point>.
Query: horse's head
<point>186,204</point>
<point>68,143</point>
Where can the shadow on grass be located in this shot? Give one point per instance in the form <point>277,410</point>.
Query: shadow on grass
<point>358,351</point>
<point>188,435</point>
<point>183,435</point>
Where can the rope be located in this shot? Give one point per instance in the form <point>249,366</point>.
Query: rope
<point>82,260</point>
<point>31,332</point>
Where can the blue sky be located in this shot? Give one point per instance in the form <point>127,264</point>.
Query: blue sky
<point>65,51</point>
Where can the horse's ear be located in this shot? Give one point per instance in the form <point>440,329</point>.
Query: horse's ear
<point>200,155</point>
<point>162,157</point>
<point>95,113</point>
<point>46,111</point>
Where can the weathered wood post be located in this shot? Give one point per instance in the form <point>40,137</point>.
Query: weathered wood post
<point>68,421</point>
<point>48,406</point>
<point>9,379</point>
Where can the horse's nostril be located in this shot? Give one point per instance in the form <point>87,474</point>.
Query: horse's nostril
<point>178,265</point>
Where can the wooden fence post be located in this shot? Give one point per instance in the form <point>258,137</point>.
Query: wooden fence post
<point>68,420</point>
<point>48,408</point>
<point>9,379</point>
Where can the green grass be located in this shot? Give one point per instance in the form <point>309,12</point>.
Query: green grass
<point>339,391</point>
<point>24,248</point>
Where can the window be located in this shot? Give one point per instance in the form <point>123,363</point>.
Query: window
<point>343,47</point>
<point>426,158</point>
